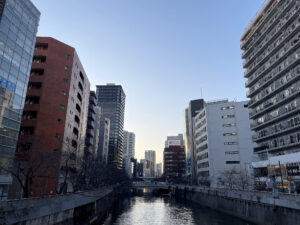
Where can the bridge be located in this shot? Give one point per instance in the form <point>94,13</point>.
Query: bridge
<point>157,185</point>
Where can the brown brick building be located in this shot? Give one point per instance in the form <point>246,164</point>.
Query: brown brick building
<point>55,114</point>
<point>174,162</point>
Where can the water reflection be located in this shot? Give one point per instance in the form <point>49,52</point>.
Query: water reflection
<point>150,210</point>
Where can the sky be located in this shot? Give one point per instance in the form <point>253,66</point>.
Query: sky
<point>163,52</point>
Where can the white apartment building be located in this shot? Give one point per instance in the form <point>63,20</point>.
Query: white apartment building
<point>222,141</point>
<point>128,152</point>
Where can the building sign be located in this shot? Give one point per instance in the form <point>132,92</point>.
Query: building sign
<point>293,170</point>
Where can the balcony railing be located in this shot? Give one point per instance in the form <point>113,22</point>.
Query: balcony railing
<point>266,33</point>
<point>283,113</point>
<point>261,59</point>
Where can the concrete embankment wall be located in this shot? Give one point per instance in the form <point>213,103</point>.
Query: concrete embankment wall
<point>77,208</point>
<point>257,207</point>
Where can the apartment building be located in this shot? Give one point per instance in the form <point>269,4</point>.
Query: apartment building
<point>222,141</point>
<point>150,155</point>
<point>271,56</point>
<point>54,121</point>
<point>103,144</point>
<point>174,158</point>
<point>19,21</point>
<point>93,127</point>
<point>129,152</point>
<point>194,107</point>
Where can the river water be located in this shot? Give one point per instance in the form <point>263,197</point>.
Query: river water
<point>149,210</point>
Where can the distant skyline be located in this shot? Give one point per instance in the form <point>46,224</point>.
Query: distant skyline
<point>163,53</point>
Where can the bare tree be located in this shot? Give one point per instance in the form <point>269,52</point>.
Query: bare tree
<point>229,177</point>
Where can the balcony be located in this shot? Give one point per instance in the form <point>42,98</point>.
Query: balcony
<point>265,16</point>
<point>282,130</point>
<point>285,59</point>
<point>39,59</point>
<point>29,115</point>
<point>262,59</point>
<point>278,101</point>
<point>37,72</point>
<point>32,100</point>
<point>284,112</point>
<point>266,29</point>
<point>280,86</point>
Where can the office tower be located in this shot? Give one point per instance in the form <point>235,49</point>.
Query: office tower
<point>174,158</point>
<point>55,114</point>
<point>128,152</point>
<point>158,170</point>
<point>93,128</point>
<point>271,58</point>
<point>222,141</point>
<point>103,140</point>
<point>146,167</point>
<point>194,107</point>
<point>18,27</point>
<point>151,158</point>
<point>111,99</point>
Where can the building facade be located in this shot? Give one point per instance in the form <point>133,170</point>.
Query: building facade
<point>158,170</point>
<point>103,140</point>
<point>54,121</point>
<point>222,141</point>
<point>19,21</point>
<point>111,99</point>
<point>271,58</point>
<point>93,128</point>
<point>150,156</point>
<point>194,107</point>
<point>129,151</point>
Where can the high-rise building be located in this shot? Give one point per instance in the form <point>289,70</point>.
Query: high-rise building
<point>222,140</point>
<point>93,127</point>
<point>194,107</point>
<point>174,140</point>
<point>111,99</point>
<point>18,27</point>
<point>150,156</point>
<point>55,114</point>
<point>271,56</point>
<point>128,152</point>
<point>103,140</point>
<point>158,170</point>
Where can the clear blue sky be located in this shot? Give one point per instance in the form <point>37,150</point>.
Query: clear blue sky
<point>161,51</point>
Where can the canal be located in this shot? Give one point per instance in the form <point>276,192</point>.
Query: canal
<point>149,210</point>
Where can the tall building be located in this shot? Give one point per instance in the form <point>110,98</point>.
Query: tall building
<point>194,107</point>
<point>55,114</point>
<point>18,27</point>
<point>271,58</point>
<point>128,152</point>
<point>158,170</point>
<point>222,141</point>
<point>93,127</point>
<point>174,161</point>
<point>103,140</point>
<point>111,99</point>
<point>150,156</point>
<point>175,140</point>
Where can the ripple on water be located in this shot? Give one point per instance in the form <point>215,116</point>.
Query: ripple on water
<point>161,211</point>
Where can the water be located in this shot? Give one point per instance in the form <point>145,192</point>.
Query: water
<point>163,210</point>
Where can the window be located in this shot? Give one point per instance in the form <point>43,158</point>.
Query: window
<point>63,93</point>
<point>232,162</point>
<point>65,80</point>
<point>61,106</point>
<point>57,136</point>
<point>228,116</point>
<point>66,68</point>
<point>232,153</point>
<point>230,134</point>
<point>68,56</point>
<point>59,121</point>
<point>229,125</point>
<point>227,107</point>
<point>230,143</point>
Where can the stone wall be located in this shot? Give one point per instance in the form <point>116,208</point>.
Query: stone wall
<point>256,207</point>
<point>77,208</point>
